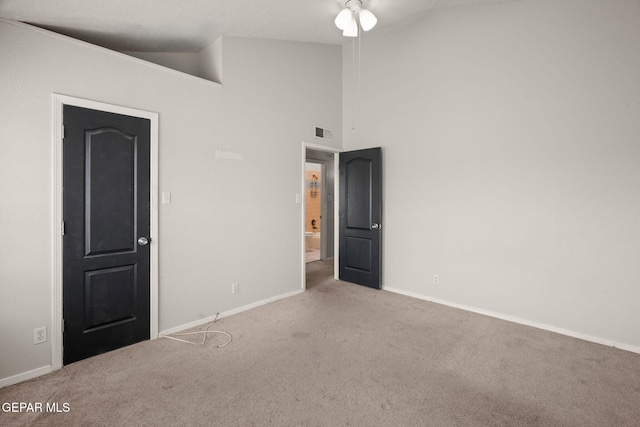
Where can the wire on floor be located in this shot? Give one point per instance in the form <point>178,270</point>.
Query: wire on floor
<point>204,335</point>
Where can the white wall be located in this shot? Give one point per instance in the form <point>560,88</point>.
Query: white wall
<point>511,143</point>
<point>206,64</point>
<point>210,61</point>
<point>228,222</point>
<point>181,61</point>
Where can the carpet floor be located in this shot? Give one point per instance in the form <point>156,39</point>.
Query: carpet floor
<point>344,355</point>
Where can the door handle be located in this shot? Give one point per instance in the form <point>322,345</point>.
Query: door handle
<point>144,241</point>
<point>376,226</point>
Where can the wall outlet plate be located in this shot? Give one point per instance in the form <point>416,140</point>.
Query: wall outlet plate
<point>40,335</point>
<point>235,288</point>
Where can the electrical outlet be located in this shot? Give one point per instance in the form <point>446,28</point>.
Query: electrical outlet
<point>40,335</point>
<point>436,279</point>
<point>235,288</point>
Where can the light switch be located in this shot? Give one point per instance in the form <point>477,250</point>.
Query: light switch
<point>298,198</point>
<point>166,197</point>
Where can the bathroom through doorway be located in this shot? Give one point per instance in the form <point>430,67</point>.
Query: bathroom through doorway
<point>313,212</point>
<point>318,213</point>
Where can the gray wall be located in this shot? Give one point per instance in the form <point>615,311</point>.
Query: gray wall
<point>511,142</point>
<point>184,62</point>
<point>209,234</point>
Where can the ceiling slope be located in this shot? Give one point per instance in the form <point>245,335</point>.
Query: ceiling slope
<point>190,25</point>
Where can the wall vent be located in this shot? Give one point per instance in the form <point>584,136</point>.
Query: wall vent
<point>323,133</point>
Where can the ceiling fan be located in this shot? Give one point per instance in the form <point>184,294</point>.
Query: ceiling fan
<point>347,22</point>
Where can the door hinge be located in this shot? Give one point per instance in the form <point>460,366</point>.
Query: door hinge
<point>63,132</point>
<point>62,325</point>
<point>62,228</point>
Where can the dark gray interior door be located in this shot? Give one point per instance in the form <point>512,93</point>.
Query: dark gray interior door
<point>106,212</point>
<point>361,217</point>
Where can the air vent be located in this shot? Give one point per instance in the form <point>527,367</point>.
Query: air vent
<point>324,133</point>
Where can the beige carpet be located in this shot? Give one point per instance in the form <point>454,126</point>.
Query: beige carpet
<point>338,355</point>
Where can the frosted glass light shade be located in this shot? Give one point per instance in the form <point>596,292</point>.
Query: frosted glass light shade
<point>343,20</point>
<point>367,19</point>
<point>352,29</point>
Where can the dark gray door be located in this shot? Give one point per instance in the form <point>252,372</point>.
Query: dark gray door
<point>106,212</point>
<point>361,217</point>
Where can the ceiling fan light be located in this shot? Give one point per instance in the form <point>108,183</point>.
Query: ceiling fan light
<point>343,20</point>
<point>352,29</point>
<point>367,19</point>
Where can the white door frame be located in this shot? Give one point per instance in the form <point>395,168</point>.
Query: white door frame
<point>336,208</point>
<point>59,101</point>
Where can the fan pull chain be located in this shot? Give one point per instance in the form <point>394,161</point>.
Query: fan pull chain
<point>353,66</point>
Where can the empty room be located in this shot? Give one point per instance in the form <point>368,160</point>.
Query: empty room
<point>320,212</point>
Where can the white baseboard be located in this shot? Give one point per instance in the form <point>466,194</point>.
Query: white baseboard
<point>210,319</point>
<point>25,376</point>
<point>567,332</point>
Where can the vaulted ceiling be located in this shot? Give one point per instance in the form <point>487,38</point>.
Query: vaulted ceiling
<point>190,25</point>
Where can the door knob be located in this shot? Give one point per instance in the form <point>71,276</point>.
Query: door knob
<point>376,226</point>
<point>144,241</point>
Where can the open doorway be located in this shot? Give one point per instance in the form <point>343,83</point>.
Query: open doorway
<point>314,205</point>
<point>356,247</point>
<point>318,215</point>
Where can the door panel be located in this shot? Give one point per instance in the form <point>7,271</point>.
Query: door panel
<point>358,185</point>
<point>361,216</point>
<point>106,208</point>
<point>110,177</point>
<point>110,296</point>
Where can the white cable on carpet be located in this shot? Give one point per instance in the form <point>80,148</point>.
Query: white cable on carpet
<point>204,336</point>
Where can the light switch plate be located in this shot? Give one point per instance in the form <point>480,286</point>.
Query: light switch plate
<point>166,197</point>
